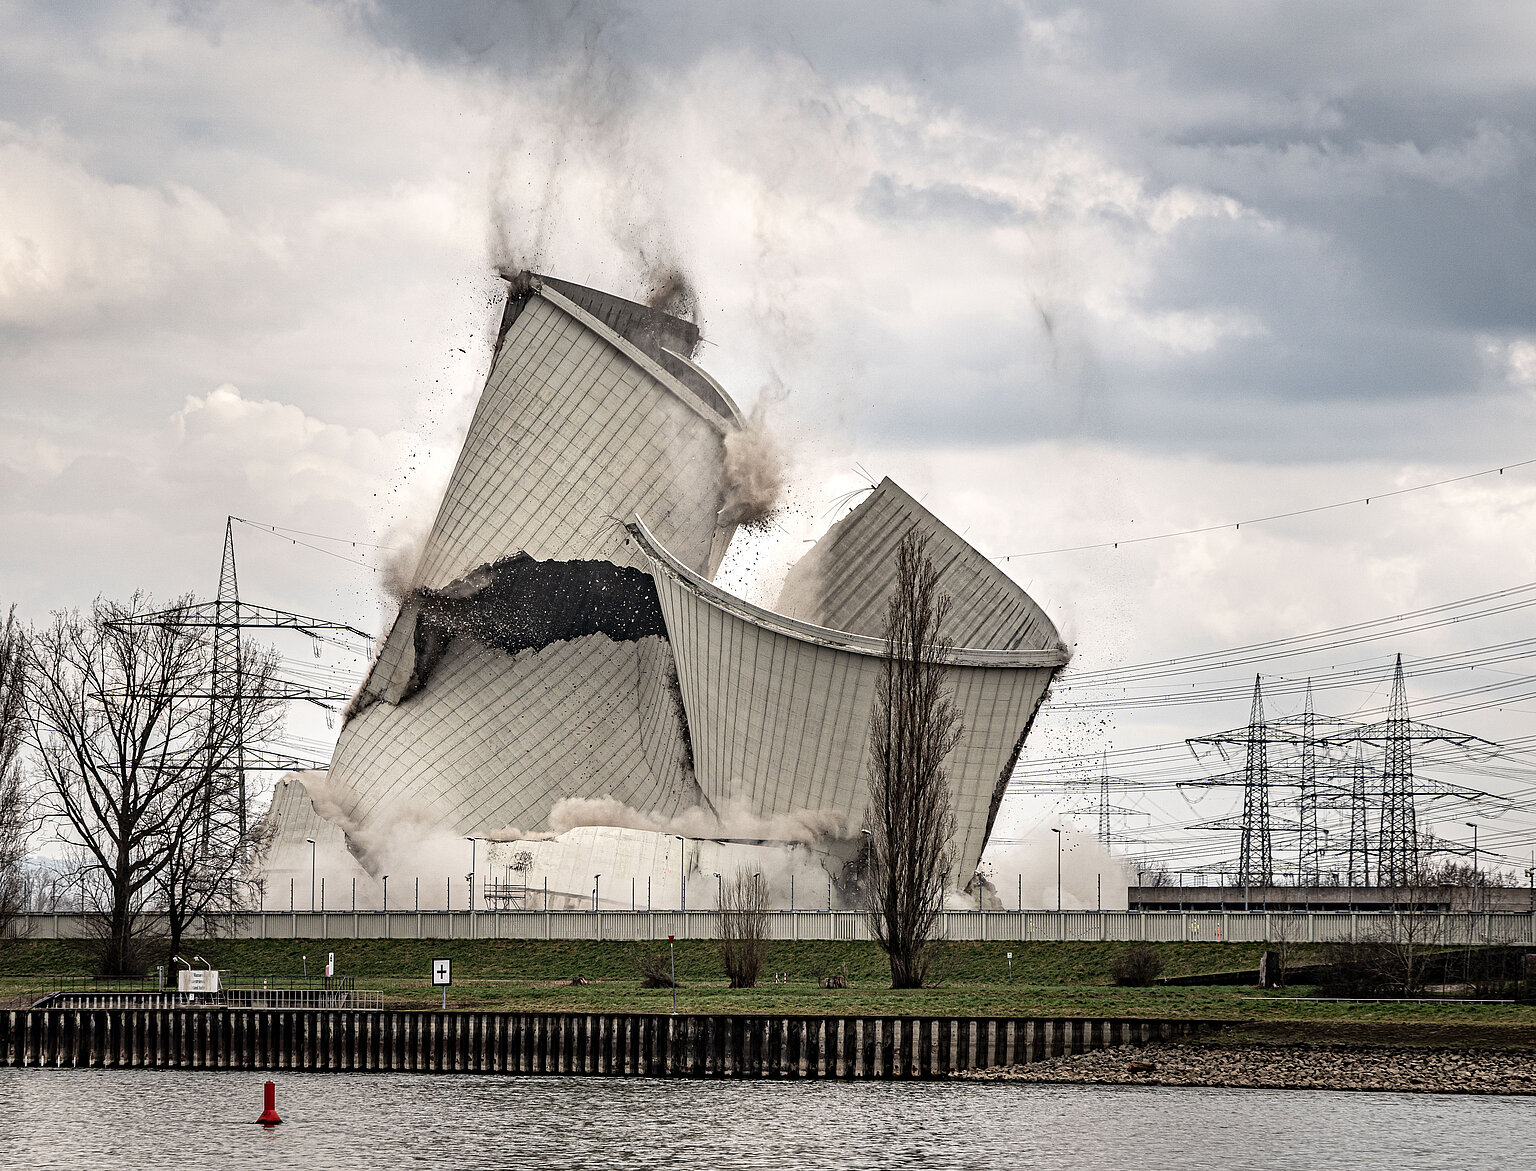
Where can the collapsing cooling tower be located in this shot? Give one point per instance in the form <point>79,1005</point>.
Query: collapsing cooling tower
<point>546,651</point>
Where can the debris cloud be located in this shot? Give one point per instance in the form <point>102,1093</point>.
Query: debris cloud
<point>755,471</point>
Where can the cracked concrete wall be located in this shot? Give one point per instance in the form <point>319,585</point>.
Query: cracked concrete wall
<point>529,660</point>
<point>844,581</point>
<point>546,653</point>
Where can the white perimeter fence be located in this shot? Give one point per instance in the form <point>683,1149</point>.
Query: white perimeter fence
<point>998,926</point>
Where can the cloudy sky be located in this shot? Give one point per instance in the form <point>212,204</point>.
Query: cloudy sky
<point>1072,273</point>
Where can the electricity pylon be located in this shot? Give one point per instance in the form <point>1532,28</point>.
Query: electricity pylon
<point>225,618</point>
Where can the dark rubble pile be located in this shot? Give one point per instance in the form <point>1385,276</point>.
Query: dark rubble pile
<point>1320,1067</point>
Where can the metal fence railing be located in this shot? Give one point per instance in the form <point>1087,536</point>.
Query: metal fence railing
<point>278,992</point>
<point>1449,927</point>
<point>355,999</point>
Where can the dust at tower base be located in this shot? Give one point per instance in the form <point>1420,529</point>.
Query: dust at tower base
<point>561,658</point>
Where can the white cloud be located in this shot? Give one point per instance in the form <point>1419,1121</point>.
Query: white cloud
<point>1070,277</point>
<point>72,242</point>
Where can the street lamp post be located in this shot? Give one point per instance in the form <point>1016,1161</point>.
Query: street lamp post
<point>719,891</point>
<point>311,842</point>
<point>597,885</point>
<point>386,894</point>
<point>682,872</point>
<point>1057,832</point>
<point>1472,825</point>
<point>474,844</point>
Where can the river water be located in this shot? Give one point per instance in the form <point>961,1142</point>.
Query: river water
<point>83,1119</point>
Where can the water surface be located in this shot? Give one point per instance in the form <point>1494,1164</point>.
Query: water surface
<point>85,1119</point>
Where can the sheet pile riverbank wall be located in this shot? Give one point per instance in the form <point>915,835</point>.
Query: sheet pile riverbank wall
<point>607,1044</point>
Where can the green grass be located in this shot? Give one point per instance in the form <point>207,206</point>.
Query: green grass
<point>1050,979</point>
<point>697,960</point>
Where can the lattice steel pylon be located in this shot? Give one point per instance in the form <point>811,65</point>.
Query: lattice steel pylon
<point>1102,809</point>
<point>226,682</point>
<point>1359,860</point>
<point>1398,847</point>
<point>1398,843</point>
<point>1309,849</point>
<point>1255,858</point>
<point>224,618</point>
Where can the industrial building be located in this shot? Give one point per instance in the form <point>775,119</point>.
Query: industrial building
<point>561,657</point>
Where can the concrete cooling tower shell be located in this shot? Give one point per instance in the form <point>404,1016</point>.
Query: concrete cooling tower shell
<point>780,708</point>
<point>554,645</point>
<point>845,581</point>
<point>473,717</point>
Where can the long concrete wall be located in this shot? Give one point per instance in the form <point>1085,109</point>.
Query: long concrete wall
<point>999,926</point>
<point>630,1044</point>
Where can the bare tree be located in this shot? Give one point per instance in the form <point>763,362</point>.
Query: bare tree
<point>17,821</point>
<point>913,726</point>
<point>1399,947</point>
<point>134,756</point>
<point>206,850</point>
<point>743,928</point>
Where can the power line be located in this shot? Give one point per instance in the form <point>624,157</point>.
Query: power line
<point>1352,634</point>
<point>272,530</point>
<point>281,531</point>
<point>1274,516</point>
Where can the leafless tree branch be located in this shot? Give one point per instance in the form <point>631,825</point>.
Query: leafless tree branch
<point>744,927</point>
<point>913,726</point>
<point>138,763</point>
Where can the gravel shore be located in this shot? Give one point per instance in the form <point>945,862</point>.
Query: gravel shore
<point>1320,1067</point>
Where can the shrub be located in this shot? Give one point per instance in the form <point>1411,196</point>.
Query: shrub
<point>656,971</point>
<point>1349,969</point>
<point>744,928</point>
<point>1137,966</point>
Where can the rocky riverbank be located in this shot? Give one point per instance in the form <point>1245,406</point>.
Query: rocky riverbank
<point>1301,1067</point>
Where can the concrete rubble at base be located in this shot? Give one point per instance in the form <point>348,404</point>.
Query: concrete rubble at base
<point>1313,1067</point>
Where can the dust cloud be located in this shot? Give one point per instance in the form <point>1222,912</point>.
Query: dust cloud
<point>672,291</point>
<point>755,470</point>
<point>1029,865</point>
<point>734,820</point>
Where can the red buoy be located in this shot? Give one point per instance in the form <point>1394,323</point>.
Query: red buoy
<point>269,1115</point>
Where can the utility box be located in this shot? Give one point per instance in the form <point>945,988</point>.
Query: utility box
<point>1271,971</point>
<point>197,980</point>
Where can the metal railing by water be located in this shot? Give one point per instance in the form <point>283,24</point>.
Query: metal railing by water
<point>274,992</point>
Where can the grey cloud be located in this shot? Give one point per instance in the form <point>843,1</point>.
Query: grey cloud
<point>885,197</point>
<point>1379,159</point>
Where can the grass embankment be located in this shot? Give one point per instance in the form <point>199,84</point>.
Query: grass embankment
<point>1049,979</point>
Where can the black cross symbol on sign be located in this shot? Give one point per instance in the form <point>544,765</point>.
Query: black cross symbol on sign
<point>441,970</point>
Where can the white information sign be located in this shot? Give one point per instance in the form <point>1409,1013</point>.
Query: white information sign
<point>197,980</point>
<point>442,972</point>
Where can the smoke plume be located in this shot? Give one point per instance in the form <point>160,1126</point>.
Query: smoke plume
<point>755,469</point>
<point>406,542</point>
<point>1029,866</point>
<point>673,293</point>
<point>735,820</point>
